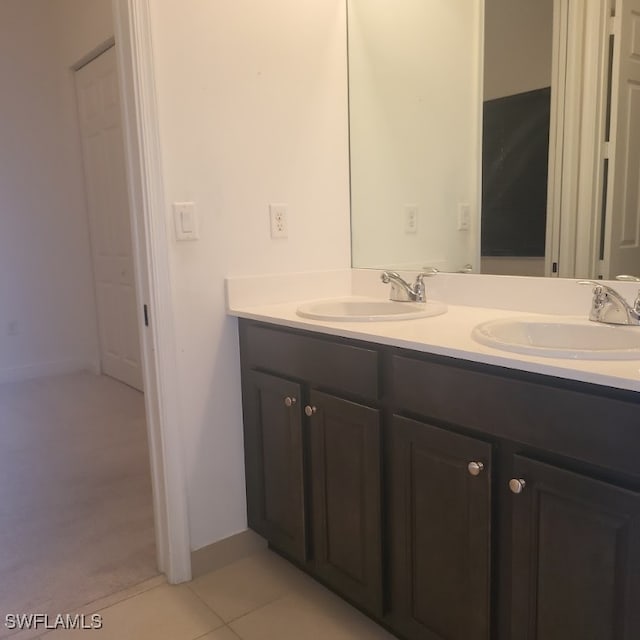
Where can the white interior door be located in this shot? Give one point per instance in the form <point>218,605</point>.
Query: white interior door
<point>106,187</point>
<point>620,252</point>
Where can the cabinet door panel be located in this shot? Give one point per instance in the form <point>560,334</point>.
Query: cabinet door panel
<point>441,521</point>
<point>345,467</point>
<point>576,557</point>
<point>274,462</point>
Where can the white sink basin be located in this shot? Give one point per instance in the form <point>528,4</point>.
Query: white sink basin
<point>360,309</point>
<point>562,338</point>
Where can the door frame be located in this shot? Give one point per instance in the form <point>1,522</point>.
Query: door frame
<point>134,53</point>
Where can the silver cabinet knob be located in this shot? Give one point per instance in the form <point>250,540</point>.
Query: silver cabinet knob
<point>517,485</point>
<point>475,468</point>
<point>289,401</point>
<point>310,410</point>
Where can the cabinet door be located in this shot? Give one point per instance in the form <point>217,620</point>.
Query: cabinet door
<point>440,523</point>
<point>346,483</point>
<point>274,462</point>
<point>576,556</point>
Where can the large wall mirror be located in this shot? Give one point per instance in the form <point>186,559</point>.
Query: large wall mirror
<point>495,136</point>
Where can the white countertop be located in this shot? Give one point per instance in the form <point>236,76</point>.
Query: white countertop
<point>448,335</point>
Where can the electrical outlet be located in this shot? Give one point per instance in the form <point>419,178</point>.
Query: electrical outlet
<point>464,217</point>
<point>411,218</point>
<point>278,219</point>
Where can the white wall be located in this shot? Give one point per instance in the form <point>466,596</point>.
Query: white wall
<point>252,104</point>
<point>512,266</point>
<point>518,46</point>
<point>46,290</point>
<point>415,118</point>
<point>80,27</point>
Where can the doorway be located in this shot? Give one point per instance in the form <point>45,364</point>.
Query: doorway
<point>76,504</point>
<point>49,292</point>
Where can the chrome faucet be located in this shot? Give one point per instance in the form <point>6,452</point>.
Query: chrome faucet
<point>610,307</point>
<point>402,291</point>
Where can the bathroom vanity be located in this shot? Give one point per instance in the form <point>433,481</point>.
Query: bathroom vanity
<point>445,497</point>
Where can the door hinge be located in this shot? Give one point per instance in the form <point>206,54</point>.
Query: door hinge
<point>146,315</point>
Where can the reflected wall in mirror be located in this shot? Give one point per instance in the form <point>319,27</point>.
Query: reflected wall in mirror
<point>421,72</point>
<point>414,87</point>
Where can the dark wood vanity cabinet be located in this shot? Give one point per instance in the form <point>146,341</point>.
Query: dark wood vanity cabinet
<point>575,568</point>
<point>565,506</point>
<point>445,498</point>
<point>346,497</point>
<point>312,455</point>
<point>274,461</point>
<point>440,522</point>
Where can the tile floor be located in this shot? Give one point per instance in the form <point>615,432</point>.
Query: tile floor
<point>76,518</point>
<point>261,597</point>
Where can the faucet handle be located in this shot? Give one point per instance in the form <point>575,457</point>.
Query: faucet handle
<point>419,289</point>
<point>598,287</point>
<point>387,276</point>
<point>430,271</point>
<point>599,297</point>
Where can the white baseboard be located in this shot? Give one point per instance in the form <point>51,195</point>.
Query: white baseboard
<point>43,369</point>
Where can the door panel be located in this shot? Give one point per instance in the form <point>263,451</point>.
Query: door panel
<point>441,527</point>
<point>109,223</point>
<point>346,481</point>
<point>622,232</point>
<point>576,557</point>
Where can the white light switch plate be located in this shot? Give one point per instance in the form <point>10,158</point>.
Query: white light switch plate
<point>185,220</point>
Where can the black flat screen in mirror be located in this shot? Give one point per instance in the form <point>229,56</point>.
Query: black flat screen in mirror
<point>515,152</point>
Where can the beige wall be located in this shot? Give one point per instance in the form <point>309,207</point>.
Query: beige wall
<point>253,103</point>
<point>518,41</point>
<point>46,290</point>
<point>512,266</point>
<point>253,109</point>
<point>414,91</point>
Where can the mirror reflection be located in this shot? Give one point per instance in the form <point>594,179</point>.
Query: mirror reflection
<point>515,135</point>
<point>483,136</point>
<point>414,101</point>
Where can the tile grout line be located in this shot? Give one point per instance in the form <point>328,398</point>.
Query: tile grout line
<point>227,623</point>
<point>224,626</point>
<point>262,606</point>
<point>95,607</point>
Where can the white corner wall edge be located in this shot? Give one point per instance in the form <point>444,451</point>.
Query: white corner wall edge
<point>147,202</point>
<point>42,369</point>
